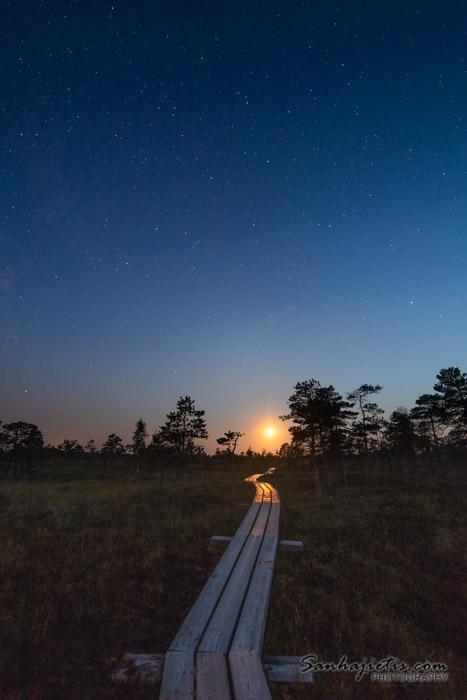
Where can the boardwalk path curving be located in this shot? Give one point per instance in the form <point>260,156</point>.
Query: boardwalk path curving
<point>216,653</point>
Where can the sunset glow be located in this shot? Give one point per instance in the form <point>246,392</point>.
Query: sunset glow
<point>223,203</point>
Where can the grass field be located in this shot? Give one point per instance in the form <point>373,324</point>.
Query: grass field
<point>96,564</point>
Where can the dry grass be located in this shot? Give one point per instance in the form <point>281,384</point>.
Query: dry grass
<point>98,564</point>
<point>97,567</point>
<point>382,575</point>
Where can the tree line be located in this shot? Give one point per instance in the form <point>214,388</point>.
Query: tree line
<point>326,423</point>
<point>22,442</point>
<point>327,429</point>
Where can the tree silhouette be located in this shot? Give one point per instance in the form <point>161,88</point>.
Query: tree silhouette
<point>429,415</point>
<point>70,446</point>
<point>319,415</point>
<point>139,440</point>
<point>289,452</point>
<point>182,428</point>
<point>113,445</point>
<point>23,441</point>
<point>90,447</point>
<point>400,435</point>
<point>304,411</point>
<point>334,414</point>
<point>370,421</point>
<point>452,388</point>
<point>229,441</point>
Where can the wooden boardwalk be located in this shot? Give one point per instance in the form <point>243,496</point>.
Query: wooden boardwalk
<point>216,654</point>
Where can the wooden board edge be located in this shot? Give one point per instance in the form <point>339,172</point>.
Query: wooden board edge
<point>147,669</point>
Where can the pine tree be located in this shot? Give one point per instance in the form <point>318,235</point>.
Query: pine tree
<point>452,388</point>
<point>182,428</point>
<point>113,445</point>
<point>400,435</point>
<point>319,415</point>
<point>370,415</point>
<point>139,441</point>
<point>229,441</point>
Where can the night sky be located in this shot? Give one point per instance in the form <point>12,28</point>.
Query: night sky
<point>222,199</point>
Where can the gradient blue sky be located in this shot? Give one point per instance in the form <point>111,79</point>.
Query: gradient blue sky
<point>223,199</point>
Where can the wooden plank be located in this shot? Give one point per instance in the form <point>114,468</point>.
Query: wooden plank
<point>265,492</point>
<point>275,495</point>
<point>197,655</point>
<point>259,493</point>
<point>285,669</point>
<point>273,522</point>
<point>178,681</point>
<point>212,678</point>
<point>220,630</point>
<point>250,629</point>
<point>248,679</point>
<point>261,521</point>
<point>293,544</point>
<point>145,669</point>
<point>178,685</point>
<point>178,677</point>
<point>251,625</point>
<point>195,623</point>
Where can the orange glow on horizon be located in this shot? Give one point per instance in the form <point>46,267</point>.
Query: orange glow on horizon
<point>267,435</point>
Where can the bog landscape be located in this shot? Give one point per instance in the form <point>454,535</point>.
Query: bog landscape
<point>233,417</point>
<point>105,551</point>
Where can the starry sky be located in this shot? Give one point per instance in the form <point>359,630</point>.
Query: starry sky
<point>222,199</point>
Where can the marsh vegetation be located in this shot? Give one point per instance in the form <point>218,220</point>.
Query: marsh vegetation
<point>97,562</point>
